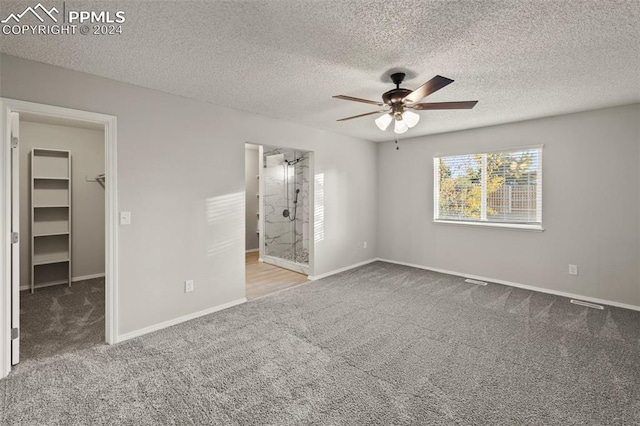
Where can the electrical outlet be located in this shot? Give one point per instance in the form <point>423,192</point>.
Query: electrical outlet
<point>188,286</point>
<point>364,245</point>
<point>573,269</point>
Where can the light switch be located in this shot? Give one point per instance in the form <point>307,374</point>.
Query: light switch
<point>125,218</point>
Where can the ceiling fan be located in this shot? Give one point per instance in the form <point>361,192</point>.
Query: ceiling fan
<point>401,101</point>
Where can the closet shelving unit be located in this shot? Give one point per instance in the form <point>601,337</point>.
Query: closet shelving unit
<point>50,217</point>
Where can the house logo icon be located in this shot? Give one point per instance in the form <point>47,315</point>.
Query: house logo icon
<point>39,11</point>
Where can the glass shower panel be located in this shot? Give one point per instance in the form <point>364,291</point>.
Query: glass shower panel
<point>286,205</point>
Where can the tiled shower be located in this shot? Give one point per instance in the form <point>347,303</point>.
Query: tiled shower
<point>285,181</point>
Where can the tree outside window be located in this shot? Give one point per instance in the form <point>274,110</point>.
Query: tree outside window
<point>501,186</point>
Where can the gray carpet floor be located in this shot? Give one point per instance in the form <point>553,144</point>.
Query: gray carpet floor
<point>61,319</point>
<point>379,345</point>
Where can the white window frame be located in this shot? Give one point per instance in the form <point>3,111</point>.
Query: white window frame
<point>483,222</point>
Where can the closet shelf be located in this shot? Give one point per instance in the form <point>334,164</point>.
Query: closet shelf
<point>50,234</point>
<point>50,178</point>
<point>50,258</point>
<point>50,217</point>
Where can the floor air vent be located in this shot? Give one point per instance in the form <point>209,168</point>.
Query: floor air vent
<point>587,304</point>
<point>470,281</point>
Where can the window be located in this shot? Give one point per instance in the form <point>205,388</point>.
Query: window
<point>501,188</point>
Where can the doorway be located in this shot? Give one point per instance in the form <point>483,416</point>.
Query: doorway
<point>62,268</point>
<point>59,211</point>
<point>278,213</point>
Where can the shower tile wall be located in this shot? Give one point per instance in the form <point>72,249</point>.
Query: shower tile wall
<point>286,239</point>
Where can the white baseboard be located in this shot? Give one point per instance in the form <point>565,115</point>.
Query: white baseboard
<point>337,271</point>
<point>518,285</point>
<point>49,284</point>
<point>175,321</point>
<point>73,280</point>
<point>252,250</point>
<point>87,277</point>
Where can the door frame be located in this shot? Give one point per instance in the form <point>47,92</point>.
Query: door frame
<point>7,106</point>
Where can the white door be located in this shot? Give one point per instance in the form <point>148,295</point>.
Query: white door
<point>15,240</point>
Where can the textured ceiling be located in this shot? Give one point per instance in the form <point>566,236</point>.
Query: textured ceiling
<point>285,59</point>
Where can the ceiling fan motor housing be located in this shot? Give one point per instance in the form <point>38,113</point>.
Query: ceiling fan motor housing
<point>394,97</point>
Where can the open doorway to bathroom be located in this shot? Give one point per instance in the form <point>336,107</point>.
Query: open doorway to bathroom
<point>277,218</point>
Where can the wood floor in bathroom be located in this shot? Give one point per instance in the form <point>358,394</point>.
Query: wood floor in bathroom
<point>263,279</point>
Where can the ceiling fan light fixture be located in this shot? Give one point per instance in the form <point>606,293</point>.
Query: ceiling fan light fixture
<point>383,121</point>
<point>396,102</point>
<point>400,127</point>
<point>410,118</point>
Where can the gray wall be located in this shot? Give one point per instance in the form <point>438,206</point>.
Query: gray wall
<point>251,201</point>
<point>87,198</point>
<point>591,192</point>
<point>181,174</point>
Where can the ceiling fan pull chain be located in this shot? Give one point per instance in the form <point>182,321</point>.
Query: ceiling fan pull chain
<point>397,146</point>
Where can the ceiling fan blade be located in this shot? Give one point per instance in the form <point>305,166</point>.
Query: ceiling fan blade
<point>362,115</point>
<point>435,84</point>
<point>445,105</point>
<point>351,98</point>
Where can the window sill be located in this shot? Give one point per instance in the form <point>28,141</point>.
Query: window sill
<point>516,226</point>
